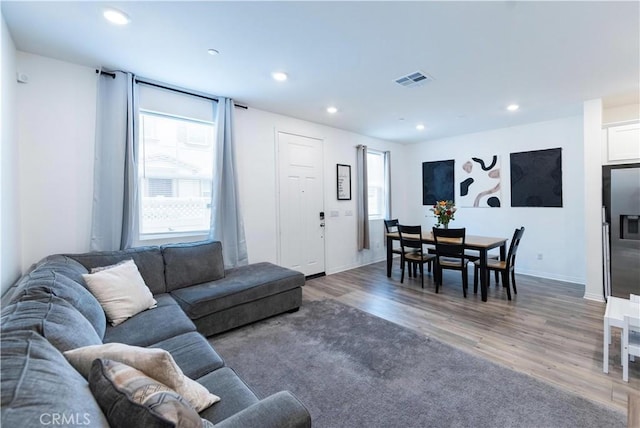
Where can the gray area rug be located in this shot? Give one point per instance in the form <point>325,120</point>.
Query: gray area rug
<point>352,369</point>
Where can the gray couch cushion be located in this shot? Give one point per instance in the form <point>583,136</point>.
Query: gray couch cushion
<point>43,281</point>
<point>193,354</point>
<point>279,410</point>
<point>148,260</point>
<point>52,317</point>
<point>151,326</point>
<point>63,265</point>
<point>240,285</point>
<point>192,263</point>
<point>38,384</point>
<point>234,394</point>
<point>57,263</point>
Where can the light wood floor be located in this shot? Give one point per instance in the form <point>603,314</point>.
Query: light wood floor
<point>547,331</point>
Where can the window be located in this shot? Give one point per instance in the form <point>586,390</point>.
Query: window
<point>176,144</point>
<point>376,184</point>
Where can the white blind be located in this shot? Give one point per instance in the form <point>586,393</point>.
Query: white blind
<point>174,103</point>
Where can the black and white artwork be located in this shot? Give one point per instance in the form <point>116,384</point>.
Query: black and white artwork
<point>344,182</point>
<point>479,181</point>
<point>536,178</point>
<point>437,181</point>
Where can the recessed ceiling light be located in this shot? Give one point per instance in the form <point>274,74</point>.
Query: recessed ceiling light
<point>212,52</point>
<point>116,17</point>
<point>420,127</point>
<point>279,76</point>
<point>513,107</point>
<point>332,110</point>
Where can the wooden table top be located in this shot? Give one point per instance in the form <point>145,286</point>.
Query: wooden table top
<point>471,241</point>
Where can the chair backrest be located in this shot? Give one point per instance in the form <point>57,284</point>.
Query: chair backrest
<point>410,237</point>
<point>450,242</point>
<point>513,247</point>
<point>391,225</point>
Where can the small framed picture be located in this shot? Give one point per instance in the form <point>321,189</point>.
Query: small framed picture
<point>344,182</point>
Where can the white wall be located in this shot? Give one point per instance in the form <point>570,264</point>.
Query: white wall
<point>56,121</point>
<point>55,126</point>
<point>256,153</point>
<point>10,265</point>
<point>621,114</point>
<point>556,233</point>
<point>592,125</point>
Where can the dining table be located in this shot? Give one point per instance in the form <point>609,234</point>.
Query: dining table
<point>482,244</point>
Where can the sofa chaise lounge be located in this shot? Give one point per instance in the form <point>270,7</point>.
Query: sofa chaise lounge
<point>50,311</point>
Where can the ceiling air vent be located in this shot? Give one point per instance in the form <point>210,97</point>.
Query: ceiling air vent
<point>417,78</point>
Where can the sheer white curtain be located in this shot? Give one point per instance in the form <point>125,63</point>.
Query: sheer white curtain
<point>227,224</point>
<point>387,185</point>
<point>362,197</point>
<point>115,221</point>
<point>115,195</point>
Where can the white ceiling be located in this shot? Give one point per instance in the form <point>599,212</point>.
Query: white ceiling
<point>546,56</point>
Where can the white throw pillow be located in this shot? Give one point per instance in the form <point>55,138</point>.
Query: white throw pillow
<point>156,363</point>
<point>120,290</point>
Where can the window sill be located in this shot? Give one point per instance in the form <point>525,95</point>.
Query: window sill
<point>172,235</point>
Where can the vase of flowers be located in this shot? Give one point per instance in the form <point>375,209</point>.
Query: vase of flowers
<point>444,212</point>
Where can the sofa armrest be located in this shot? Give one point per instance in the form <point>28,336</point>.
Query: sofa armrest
<point>280,410</point>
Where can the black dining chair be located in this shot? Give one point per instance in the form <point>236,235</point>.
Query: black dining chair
<point>392,226</point>
<point>412,251</point>
<point>450,254</point>
<point>505,267</point>
<point>474,256</point>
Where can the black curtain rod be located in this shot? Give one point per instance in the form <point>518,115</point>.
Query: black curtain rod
<point>144,82</point>
<point>113,75</point>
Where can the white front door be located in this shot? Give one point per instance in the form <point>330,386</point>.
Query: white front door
<point>301,203</point>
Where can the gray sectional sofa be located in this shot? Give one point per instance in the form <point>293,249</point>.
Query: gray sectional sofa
<point>49,311</point>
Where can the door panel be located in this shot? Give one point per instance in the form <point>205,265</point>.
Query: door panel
<point>300,203</point>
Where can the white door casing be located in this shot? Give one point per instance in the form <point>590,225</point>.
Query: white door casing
<point>301,200</point>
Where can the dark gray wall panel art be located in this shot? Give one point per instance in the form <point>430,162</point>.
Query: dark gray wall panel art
<point>437,181</point>
<point>536,178</point>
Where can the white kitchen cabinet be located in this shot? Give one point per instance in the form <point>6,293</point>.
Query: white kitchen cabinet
<point>623,143</point>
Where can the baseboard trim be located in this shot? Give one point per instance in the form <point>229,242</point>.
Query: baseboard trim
<point>545,275</point>
<point>315,275</point>
<point>354,266</point>
<point>594,297</point>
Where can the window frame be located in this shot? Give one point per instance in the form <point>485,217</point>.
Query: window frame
<point>383,187</point>
<point>142,174</point>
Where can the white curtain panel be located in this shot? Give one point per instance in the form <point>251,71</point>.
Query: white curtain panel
<point>387,185</point>
<point>114,219</point>
<point>362,198</point>
<point>227,225</point>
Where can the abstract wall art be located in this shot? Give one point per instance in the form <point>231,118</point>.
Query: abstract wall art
<point>479,181</point>
<point>437,181</point>
<point>536,178</point>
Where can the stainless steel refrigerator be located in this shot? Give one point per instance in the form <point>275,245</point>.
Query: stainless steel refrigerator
<point>621,196</point>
